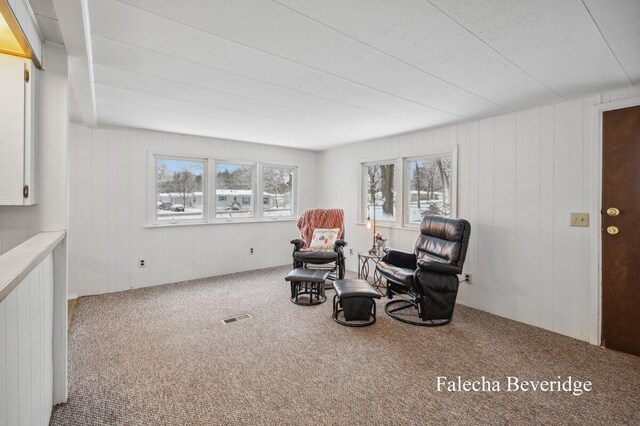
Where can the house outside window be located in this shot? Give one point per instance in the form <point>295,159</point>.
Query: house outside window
<point>236,183</point>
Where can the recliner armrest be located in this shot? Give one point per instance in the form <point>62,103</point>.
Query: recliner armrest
<point>341,243</point>
<point>298,243</point>
<point>402,259</point>
<point>443,268</point>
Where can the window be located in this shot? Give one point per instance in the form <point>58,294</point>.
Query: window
<point>179,189</point>
<point>278,190</point>
<point>424,185</point>
<point>430,187</point>
<point>183,190</point>
<point>379,191</point>
<point>234,182</point>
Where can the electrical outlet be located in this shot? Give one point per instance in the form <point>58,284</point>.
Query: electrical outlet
<point>251,250</point>
<point>141,263</point>
<point>351,251</point>
<point>467,278</point>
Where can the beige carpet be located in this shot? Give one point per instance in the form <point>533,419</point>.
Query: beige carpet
<point>162,356</point>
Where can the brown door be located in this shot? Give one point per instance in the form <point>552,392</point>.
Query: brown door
<point>621,230</point>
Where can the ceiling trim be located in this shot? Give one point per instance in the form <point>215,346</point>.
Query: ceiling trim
<point>73,17</point>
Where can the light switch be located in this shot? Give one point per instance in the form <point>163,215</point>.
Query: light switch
<point>580,219</point>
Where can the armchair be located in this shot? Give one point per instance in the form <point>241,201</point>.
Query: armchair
<point>428,276</point>
<point>332,260</point>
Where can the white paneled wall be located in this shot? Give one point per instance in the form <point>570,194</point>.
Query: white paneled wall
<point>19,223</point>
<point>520,175</point>
<point>26,361</point>
<point>108,213</point>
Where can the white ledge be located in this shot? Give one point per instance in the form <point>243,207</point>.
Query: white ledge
<point>18,262</point>
<point>221,222</point>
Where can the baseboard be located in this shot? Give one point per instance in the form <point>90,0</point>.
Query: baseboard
<point>72,296</point>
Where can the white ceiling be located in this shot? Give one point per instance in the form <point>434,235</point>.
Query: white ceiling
<point>314,74</point>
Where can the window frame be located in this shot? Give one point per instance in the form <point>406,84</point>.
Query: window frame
<point>406,197</point>
<point>153,178</point>
<point>209,197</point>
<point>363,190</point>
<point>294,190</point>
<point>254,184</point>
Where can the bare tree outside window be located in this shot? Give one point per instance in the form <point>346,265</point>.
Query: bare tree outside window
<point>380,191</point>
<point>179,189</point>
<point>278,191</point>
<point>234,190</point>
<point>430,190</point>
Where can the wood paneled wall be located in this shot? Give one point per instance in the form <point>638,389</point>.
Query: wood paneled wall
<point>26,358</point>
<point>108,213</point>
<point>520,175</point>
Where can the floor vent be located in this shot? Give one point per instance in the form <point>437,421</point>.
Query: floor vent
<point>236,318</point>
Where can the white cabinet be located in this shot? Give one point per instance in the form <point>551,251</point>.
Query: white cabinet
<point>18,87</point>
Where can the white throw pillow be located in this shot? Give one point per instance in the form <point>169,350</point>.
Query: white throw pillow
<point>324,239</point>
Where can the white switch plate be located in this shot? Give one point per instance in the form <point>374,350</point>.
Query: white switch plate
<point>580,219</point>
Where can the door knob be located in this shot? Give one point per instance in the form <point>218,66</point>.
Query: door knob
<point>613,230</point>
<point>612,211</point>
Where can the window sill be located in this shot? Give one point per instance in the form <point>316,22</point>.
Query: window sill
<point>230,222</point>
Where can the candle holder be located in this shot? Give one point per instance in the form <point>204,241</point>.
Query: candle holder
<point>374,247</point>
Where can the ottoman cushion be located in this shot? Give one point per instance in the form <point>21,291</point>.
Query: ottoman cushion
<point>308,275</point>
<point>349,288</point>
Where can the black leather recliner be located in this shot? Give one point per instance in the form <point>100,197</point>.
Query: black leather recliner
<point>429,274</point>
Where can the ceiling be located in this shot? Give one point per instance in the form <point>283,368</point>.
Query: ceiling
<point>45,14</point>
<point>314,74</point>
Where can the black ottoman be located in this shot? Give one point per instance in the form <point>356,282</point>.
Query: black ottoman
<point>355,299</point>
<point>308,281</point>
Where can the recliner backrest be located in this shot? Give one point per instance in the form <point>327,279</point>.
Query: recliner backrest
<point>443,240</point>
<point>319,218</point>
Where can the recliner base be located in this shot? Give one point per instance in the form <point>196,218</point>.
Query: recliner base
<point>419,321</point>
<point>300,288</point>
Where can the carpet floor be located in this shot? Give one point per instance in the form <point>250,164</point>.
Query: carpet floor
<point>161,355</point>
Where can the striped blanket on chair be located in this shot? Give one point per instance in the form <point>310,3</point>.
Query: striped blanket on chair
<point>321,219</point>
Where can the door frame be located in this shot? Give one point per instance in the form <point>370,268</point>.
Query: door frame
<point>597,144</point>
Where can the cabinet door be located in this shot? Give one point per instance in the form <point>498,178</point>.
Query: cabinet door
<point>30,136</point>
<point>12,110</point>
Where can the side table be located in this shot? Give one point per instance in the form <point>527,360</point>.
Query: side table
<point>364,260</point>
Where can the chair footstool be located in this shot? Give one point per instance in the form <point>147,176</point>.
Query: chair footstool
<point>307,282</point>
<point>354,298</point>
